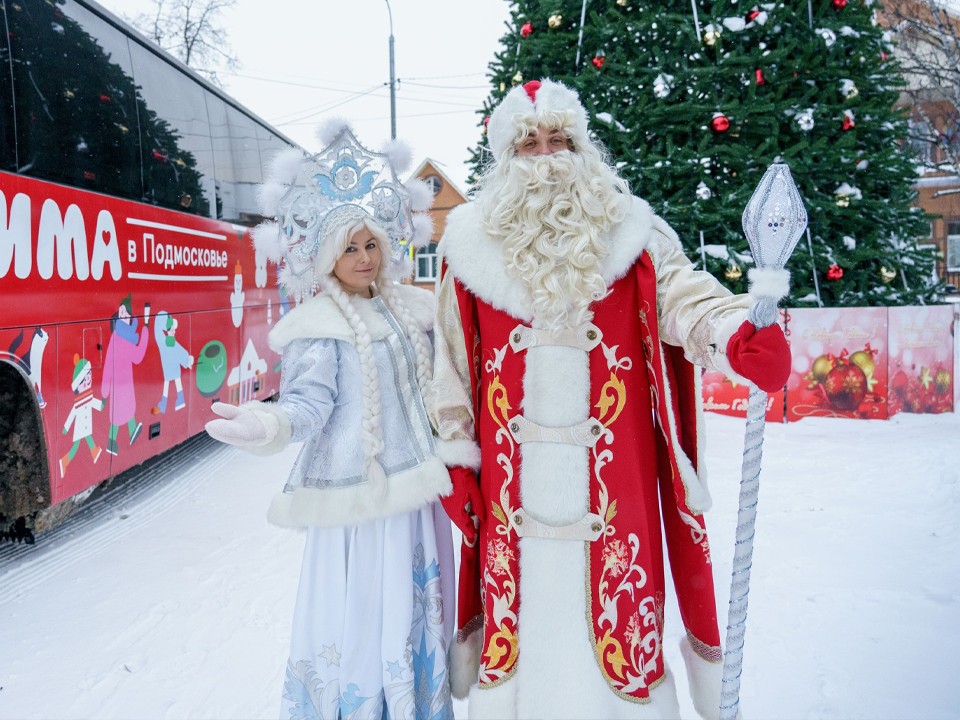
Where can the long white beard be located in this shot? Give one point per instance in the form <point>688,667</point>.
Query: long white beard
<point>550,212</point>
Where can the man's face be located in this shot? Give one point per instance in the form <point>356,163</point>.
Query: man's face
<point>543,142</point>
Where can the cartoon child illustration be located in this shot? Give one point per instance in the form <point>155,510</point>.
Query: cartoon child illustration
<point>81,415</point>
<point>173,357</point>
<point>125,349</point>
<point>237,297</point>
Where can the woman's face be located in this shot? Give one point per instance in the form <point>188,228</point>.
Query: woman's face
<point>359,265</point>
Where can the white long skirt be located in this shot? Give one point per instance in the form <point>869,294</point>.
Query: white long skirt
<point>373,621</point>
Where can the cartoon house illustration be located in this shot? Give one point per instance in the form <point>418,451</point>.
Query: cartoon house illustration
<point>241,382</point>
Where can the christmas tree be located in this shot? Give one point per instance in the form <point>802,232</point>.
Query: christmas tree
<point>694,99</point>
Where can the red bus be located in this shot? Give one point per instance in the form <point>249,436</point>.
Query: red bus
<point>132,297</point>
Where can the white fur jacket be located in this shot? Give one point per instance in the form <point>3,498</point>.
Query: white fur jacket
<point>320,404</point>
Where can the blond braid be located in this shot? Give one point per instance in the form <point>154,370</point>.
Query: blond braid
<point>417,336</point>
<point>372,434</point>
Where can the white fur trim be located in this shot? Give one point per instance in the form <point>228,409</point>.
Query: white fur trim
<point>769,282</point>
<point>465,663</point>
<point>552,96</point>
<point>268,197</point>
<point>319,317</point>
<point>454,453</point>
<point>284,429</point>
<point>706,679</point>
<point>478,261</point>
<point>333,507</point>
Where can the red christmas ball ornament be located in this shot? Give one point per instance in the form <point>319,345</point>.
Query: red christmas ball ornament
<point>486,122</point>
<point>526,30</point>
<point>598,60</point>
<point>720,123</point>
<point>835,272</point>
<point>838,4</point>
<point>760,79</point>
<point>752,15</point>
<point>845,386</point>
<point>848,122</point>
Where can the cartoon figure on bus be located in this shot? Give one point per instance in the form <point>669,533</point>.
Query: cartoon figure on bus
<point>237,297</point>
<point>32,363</point>
<point>81,415</point>
<point>125,349</point>
<point>260,272</point>
<point>173,357</point>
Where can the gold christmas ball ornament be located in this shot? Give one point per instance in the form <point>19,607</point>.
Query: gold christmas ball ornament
<point>942,381</point>
<point>518,78</point>
<point>887,275</point>
<point>733,273</point>
<point>864,360</point>
<point>821,368</point>
<point>622,3</point>
<point>842,200</point>
<point>711,34</point>
<point>555,21</point>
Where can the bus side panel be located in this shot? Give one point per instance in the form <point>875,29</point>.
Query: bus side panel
<point>79,424</point>
<point>216,345</point>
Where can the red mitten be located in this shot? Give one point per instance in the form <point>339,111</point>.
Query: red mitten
<point>464,502</point>
<point>761,356</point>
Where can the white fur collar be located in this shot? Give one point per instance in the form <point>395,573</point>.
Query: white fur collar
<point>319,317</point>
<point>478,262</point>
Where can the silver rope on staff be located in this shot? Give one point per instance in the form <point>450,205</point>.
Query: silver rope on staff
<point>773,222</point>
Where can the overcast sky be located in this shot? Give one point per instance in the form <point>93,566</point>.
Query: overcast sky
<point>303,61</point>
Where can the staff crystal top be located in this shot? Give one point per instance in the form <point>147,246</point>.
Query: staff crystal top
<point>775,218</point>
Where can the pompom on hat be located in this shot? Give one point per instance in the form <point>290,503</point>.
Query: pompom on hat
<point>534,101</point>
<point>312,196</point>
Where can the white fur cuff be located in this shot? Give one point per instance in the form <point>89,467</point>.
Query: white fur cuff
<point>705,680</point>
<point>769,282</point>
<point>465,663</point>
<point>465,453</point>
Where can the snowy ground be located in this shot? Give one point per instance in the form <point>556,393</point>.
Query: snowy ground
<point>175,601</point>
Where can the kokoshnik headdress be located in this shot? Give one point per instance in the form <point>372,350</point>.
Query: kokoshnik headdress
<point>312,196</point>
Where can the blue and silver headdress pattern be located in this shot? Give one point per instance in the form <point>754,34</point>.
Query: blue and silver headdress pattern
<point>313,196</point>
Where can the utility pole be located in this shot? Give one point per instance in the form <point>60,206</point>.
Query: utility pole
<point>393,81</point>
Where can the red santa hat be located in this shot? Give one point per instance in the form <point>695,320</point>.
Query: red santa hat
<point>533,100</point>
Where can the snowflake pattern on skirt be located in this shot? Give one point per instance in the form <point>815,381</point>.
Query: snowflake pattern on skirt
<point>370,634</point>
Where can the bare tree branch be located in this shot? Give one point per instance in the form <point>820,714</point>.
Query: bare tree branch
<point>191,30</point>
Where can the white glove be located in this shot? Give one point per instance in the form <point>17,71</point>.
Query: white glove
<point>242,425</point>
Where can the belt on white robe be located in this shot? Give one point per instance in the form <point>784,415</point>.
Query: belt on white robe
<point>586,434</point>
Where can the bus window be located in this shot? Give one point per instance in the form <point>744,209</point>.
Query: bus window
<point>175,138</point>
<point>76,121</point>
<point>8,140</point>
<point>247,163</point>
<point>226,177</point>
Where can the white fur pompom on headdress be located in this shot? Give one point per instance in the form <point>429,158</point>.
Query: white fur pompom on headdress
<point>421,195</point>
<point>281,173</point>
<point>399,154</point>
<point>266,239</point>
<point>330,128</point>
<point>422,230</point>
